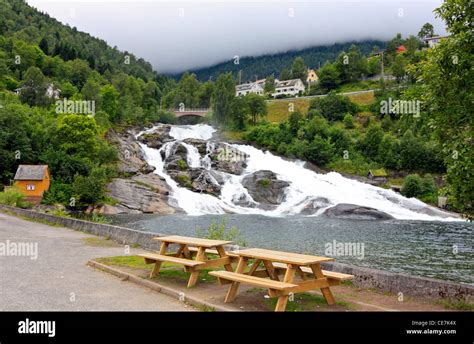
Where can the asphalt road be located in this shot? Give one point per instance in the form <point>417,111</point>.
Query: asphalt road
<point>59,278</point>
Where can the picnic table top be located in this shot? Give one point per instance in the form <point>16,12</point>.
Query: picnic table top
<point>283,257</point>
<point>177,239</point>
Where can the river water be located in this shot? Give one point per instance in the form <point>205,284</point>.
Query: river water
<point>416,242</point>
<point>443,250</point>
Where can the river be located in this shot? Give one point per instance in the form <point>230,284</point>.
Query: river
<point>416,241</point>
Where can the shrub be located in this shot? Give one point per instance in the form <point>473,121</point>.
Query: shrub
<point>13,197</point>
<point>182,165</point>
<point>167,117</point>
<point>90,189</point>
<point>220,232</point>
<point>412,186</point>
<point>333,107</point>
<point>348,122</point>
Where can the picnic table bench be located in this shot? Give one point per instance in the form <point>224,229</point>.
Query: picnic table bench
<point>188,248</point>
<point>275,263</point>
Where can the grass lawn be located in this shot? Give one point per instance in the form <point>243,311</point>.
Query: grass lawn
<point>279,110</point>
<point>168,271</point>
<point>362,98</point>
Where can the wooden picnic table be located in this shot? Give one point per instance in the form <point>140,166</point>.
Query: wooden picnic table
<point>275,262</point>
<point>187,247</point>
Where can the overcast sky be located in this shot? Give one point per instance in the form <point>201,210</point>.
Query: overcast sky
<point>179,35</point>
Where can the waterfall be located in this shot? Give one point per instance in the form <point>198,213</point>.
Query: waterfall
<point>305,187</point>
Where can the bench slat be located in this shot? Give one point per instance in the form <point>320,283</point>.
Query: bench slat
<point>257,281</point>
<point>163,258</point>
<point>214,251</point>
<point>329,274</point>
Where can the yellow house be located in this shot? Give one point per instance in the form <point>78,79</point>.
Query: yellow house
<point>32,181</point>
<point>312,77</point>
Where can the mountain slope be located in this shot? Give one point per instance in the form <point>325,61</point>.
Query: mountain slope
<point>20,21</point>
<point>261,66</point>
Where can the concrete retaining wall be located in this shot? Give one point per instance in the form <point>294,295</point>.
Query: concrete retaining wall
<point>364,277</point>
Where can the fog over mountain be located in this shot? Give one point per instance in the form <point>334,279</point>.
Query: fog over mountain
<point>180,35</point>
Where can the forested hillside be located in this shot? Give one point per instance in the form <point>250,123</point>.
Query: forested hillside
<point>262,66</point>
<point>43,62</point>
<point>19,20</point>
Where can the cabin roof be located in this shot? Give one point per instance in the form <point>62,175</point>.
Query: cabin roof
<point>30,172</point>
<point>378,173</point>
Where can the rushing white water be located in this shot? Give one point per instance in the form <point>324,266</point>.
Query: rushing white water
<point>305,185</point>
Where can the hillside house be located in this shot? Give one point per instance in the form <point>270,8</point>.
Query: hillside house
<point>252,87</point>
<point>32,181</point>
<point>288,88</point>
<point>51,92</point>
<point>401,49</point>
<point>433,41</point>
<point>312,77</point>
<point>378,175</point>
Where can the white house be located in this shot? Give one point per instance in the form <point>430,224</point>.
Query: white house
<point>288,87</point>
<point>252,87</point>
<point>433,41</point>
<point>51,92</point>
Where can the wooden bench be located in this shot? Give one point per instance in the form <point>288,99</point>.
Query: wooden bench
<point>151,258</point>
<point>252,280</point>
<point>332,275</point>
<point>184,255</point>
<point>275,263</point>
<point>231,254</point>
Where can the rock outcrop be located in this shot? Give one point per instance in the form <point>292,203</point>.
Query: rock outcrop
<point>356,212</point>
<point>130,154</point>
<point>265,187</point>
<point>140,194</point>
<point>227,159</point>
<point>157,137</point>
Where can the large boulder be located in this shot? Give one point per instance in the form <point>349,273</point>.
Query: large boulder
<point>130,154</point>
<point>156,138</point>
<point>228,159</point>
<point>144,194</point>
<point>313,205</point>
<point>198,180</point>
<point>265,187</point>
<point>200,144</point>
<point>356,212</point>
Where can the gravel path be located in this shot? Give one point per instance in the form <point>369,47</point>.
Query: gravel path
<point>59,278</point>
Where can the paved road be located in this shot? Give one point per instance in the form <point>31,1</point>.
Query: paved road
<point>59,278</point>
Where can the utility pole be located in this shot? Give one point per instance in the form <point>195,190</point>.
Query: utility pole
<point>383,77</point>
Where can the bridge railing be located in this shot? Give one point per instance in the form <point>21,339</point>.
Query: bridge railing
<point>190,110</point>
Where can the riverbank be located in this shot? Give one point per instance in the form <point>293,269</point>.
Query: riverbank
<point>364,277</point>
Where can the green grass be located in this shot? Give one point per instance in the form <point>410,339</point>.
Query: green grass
<point>303,302</point>
<point>232,135</point>
<point>167,271</point>
<point>279,110</point>
<point>358,86</point>
<point>460,305</point>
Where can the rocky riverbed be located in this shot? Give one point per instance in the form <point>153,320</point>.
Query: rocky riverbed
<point>166,169</point>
